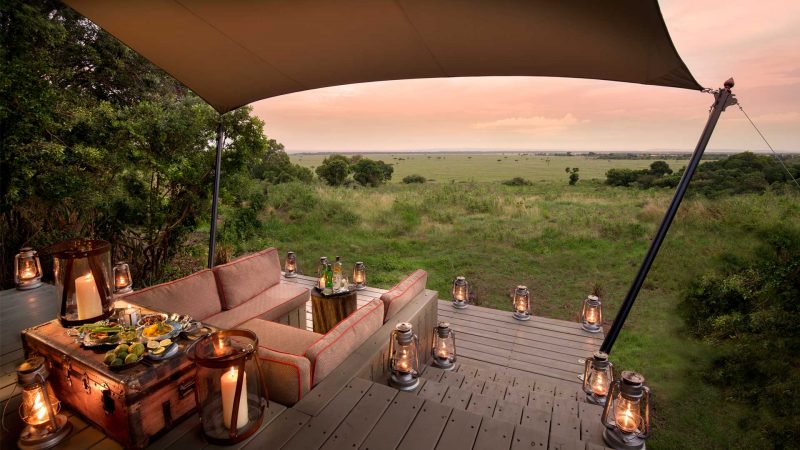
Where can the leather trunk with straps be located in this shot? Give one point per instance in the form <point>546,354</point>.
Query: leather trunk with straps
<point>132,406</point>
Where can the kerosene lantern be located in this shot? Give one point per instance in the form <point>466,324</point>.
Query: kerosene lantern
<point>443,349</point>
<point>40,408</point>
<point>626,415</point>
<point>229,385</point>
<point>592,314</point>
<point>290,267</point>
<point>521,303</point>
<point>123,283</point>
<point>404,358</point>
<point>359,276</point>
<point>27,269</point>
<point>83,280</point>
<point>460,293</point>
<point>598,373</point>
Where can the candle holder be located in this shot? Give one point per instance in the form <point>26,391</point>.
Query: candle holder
<point>521,302</point>
<point>360,276</point>
<point>592,314</point>
<point>229,386</point>
<point>129,316</point>
<point>40,408</point>
<point>626,415</point>
<point>290,266</point>
<point>83,280</point>
<point>443,349</point>
<point>598,374</point>
<point>460,293</point>
<point>404,358</point>
<point>27,269</point>
<point>123,283</point>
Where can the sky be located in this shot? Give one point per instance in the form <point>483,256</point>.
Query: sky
<point>755,41</point>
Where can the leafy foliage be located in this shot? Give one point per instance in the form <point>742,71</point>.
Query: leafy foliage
<point>334,170</point>
<point>751,314</point>
<point>368,172</point>
<point>518,181</point>
<point>98,142</point>
<point>573,175</point>
<point>656,176</point>
<point>414,178</point>
<point>740,173</point>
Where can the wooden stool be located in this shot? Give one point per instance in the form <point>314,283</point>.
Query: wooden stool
<point>328,310</point>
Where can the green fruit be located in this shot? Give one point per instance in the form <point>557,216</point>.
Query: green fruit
<point>110,356</point>
<point>121,348</point>
<point>137,349</point>
<point>116,362</point>
<point>131,358</point>
<point>122,355</point>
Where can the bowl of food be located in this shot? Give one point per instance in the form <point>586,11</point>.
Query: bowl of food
<point>124,356</point>
<point>151,319</point>
<point>160,331</point>
<point>160,350</point>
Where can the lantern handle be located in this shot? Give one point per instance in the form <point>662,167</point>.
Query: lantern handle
<point>392,338</point>
<point>233,431</point>
<point>646,428</point>
<point>586,364</point>
<point>609,404</point>
<point>455,351</point>
<point>416,357</point>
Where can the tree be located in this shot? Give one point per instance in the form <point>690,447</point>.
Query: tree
<point>621,177</point>
<point>368,172</point>
<point>410,179</point>
<point>334,170</point>
<point>660,168</point>
<point>573,175</point>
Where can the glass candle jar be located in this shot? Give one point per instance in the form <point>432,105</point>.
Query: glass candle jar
<point>83,279</point>
<point>404,357</point>
<point>27,269</point>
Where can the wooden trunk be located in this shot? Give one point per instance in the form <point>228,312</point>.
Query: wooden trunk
<point>329,310</point>
<point>131,406</point>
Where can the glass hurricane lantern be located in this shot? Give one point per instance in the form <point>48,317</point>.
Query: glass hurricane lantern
<point>626,415</point>
<point>39,409</point>
<point>460,293</point>
<point>521,302</point>
<point>598,374</point>
<point>290,267</point>
<point>443,349</point>
<point>404,357</point>
<point>83,277</point>
<point>27,269</point>
<point>592,314</point>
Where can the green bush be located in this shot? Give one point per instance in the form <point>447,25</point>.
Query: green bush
<point>752,316</point>
<point>409,179</point>
<point>518,181</point>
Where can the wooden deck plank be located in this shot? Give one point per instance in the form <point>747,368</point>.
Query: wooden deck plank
<point>494,435</point>
<point>173,435</point>
<point>270,413</point>
<point>482,405</point>
<point>467,370</point>
<point>452,379</point>
<point>433,373</point>
<point>508,412</point>
<point>427,427</point>
<point>589,345</point>
<point>106,444</point>
<point>536,419</point>
<point>526,438</point>
<point>475,385</point>
<point>320,427</point>
<point>504,341</point>
<point>541,400</point>
<point>357,425</point>
<point>279,430</point>
<point>495,390</point>
<point>460,431</point>
<point>456,398</point>
<point>566,425</point>
<point>433,391</point>
<point>392,426</point>
<point>518,395</point>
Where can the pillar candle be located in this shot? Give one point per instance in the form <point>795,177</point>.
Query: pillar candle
<point>87,297</point>
<point>228,387</point>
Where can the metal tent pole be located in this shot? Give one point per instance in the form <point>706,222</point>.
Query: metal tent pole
<point>723,99</point>
<point>212,242</point>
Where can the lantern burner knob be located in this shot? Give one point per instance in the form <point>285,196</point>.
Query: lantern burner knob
<point>31,371</point>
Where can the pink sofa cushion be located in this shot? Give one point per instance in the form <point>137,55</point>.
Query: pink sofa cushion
<point>271,304</point>
<point>280,349</point>
<point>398,296</point>
<point>330,350</point>
<point>195,295</point>
<point>248,276</point>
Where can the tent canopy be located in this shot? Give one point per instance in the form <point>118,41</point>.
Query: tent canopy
<point>234,52</point>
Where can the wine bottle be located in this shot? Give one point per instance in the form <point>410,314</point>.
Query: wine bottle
<point>328,277</point>
<point>337,274</point>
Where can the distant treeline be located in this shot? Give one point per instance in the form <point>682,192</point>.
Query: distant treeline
<point>734,174</point>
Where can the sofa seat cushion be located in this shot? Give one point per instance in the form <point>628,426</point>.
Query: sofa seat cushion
<point>397,297</point>
<point>280,350</point>
<point>271,304</point>
<point>248,276</point>
<point>195,295</point>
<point>330,350</point>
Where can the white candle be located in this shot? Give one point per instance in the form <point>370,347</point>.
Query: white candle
<point>228,387</point>
<point>87,297</point>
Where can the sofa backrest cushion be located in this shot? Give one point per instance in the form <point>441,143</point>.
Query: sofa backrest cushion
<point>195,295</point>
<point>244,278</point>
<point>397,297</point>
<point>331,349</point>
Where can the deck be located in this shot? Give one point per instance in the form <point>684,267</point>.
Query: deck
<point>516,386</point>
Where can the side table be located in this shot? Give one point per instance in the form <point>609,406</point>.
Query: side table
<point>328,310</point>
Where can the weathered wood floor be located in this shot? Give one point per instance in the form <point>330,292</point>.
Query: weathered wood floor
<point>516,386</point>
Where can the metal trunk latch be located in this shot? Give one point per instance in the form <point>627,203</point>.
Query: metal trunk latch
<point>86,386</point>
<point>186,388</point>
<point>108,401</point>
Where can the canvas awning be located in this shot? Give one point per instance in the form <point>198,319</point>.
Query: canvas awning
<point>234,52</point>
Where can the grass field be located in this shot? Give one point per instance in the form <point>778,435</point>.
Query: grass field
<point>446,167</point>
<point>559,240</point>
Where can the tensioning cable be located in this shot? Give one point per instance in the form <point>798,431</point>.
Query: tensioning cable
<point>770,147</point>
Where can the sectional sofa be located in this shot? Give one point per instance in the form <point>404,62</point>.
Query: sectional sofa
<point>249,293</point>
